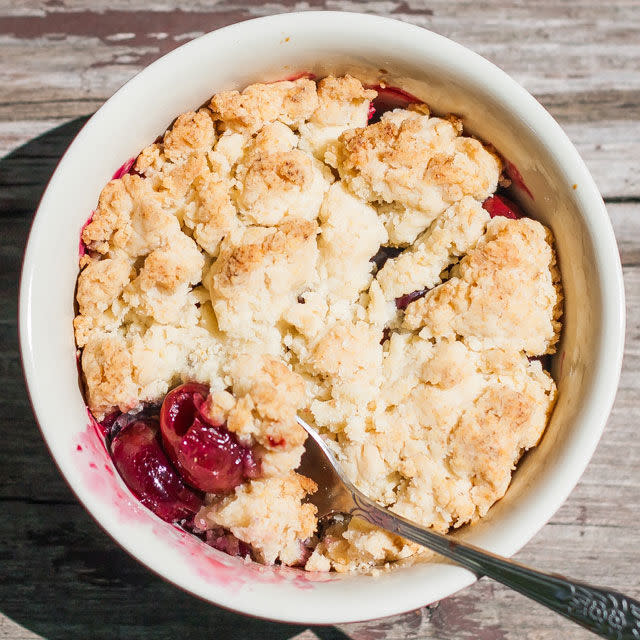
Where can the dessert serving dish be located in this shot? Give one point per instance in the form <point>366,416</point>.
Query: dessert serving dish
<point>366,222</point>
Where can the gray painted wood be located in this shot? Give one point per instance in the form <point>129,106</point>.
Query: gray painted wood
<point>60,576</point>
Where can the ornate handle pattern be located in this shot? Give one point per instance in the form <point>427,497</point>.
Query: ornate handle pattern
<point>607,613</point>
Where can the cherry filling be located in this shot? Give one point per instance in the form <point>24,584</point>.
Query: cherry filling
<point>207,455</point>
<point>502,206</point>
<point>388,98</point>
<point>384,253</point>
<point>516,177</point>
<point>127,167</point>
<point>167,461</point>
<point>404,301</point>
<point>146,470</point>
<point>223,540</point>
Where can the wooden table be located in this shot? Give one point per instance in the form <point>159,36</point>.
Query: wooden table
<point>60,575</point>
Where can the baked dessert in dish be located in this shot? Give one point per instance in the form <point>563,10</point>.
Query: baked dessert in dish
<point>303,246</point>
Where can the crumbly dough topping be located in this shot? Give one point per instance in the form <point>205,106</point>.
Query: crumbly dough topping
<point>239,254</point>
<point>416,166</point>
<point>502,293</point>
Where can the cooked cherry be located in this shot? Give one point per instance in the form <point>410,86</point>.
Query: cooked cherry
<point>389,98</point>
<point>404,301</point>
<point>516,177</point>
<point>501,206</point>
<point>146,470</point>
<point>384,253</point>
<point>116,421</point>
<point>276,442</point>
<point>106,424</point>
<point>208,456</point>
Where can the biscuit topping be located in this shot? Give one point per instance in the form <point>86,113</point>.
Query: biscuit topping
<point>276,252</point>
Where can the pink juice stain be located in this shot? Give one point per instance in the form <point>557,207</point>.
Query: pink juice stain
<point>516,177</point>
<point>216,566</point>
<point>208,563</point>
<point>93,460</point>
<point>303,74</point>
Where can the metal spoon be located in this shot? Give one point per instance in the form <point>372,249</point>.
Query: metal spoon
<point>607,613</point>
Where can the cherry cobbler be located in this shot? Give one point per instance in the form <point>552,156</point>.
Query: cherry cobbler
<point>331,250</point>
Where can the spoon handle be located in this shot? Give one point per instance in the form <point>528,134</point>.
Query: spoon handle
<point>607,613</point>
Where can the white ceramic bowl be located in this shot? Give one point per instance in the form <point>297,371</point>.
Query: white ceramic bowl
<point>448,77</point>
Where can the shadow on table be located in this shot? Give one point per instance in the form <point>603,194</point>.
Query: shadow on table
<point>61,576</point>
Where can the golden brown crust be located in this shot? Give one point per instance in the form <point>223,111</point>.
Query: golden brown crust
<point>343,104</point>
<point>346,351</point>
<point>289,102</point>
<point>451,235</point>
<point>192,132</point>
<point>350,233</point>
<point>107,366</point>
<point>268,396</point>
<point>502,294</point>
<point>259,274</point>
<point>100,284</point>
<point>282,185</point>
<point>417,165</point>
<point>268,514</point>
<point>237,264</point>
<point>340,100</point>
<point>161,291</point>
<point>130,217</point>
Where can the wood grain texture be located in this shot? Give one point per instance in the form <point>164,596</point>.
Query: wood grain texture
<point>60,575</point>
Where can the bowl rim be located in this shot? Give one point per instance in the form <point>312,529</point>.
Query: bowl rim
<point>591,207</point>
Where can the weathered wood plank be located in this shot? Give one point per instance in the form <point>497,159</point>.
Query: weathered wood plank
<point>108,42</point>
<point>60,576</point>
<point>607,148</point>
<point>14,134</point>
<point>79,584</point>
<point>24,173</point>
<point>594,47</point>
